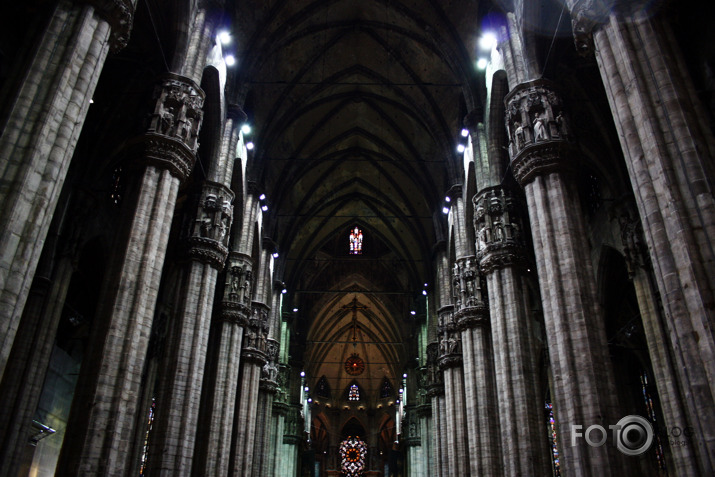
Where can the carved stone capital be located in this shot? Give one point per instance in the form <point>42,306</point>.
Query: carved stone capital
<point>239,280</point>
<point>472,317</point>
<point>538,127</point>
<point>468,288</point>
<point>236,313</point>
<point>236,113</point>
<point>586,16</point>
<point>450,361</point>
<point>120,16</point>
<point>208,251</point>
<point>166,153</point>
<point>252,355</point>
<point>178,110</point>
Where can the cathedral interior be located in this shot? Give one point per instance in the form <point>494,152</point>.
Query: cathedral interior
<point>340,238</point>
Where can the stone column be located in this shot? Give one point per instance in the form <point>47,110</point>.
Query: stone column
<point>235,313</point>
<point>267,388</point>
<point>103,416</point>
<point>584,389</point>
<point>179,394</point>
<point>450,363</point>
<point>253,358</point>
<point>471,319</point>
<point>684,460</point>
<point>668,146</point>
<point>40,135</point>
<point>32,348</point>
<point>435,392</point>
<point>502,258</point>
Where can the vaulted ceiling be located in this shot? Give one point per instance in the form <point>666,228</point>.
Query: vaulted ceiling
<point>357,108</point>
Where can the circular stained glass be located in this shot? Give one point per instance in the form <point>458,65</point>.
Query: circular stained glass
<point>354,365</point>
<point>353,452</point>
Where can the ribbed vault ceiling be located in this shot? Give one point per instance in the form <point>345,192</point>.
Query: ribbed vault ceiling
<point>357,108</point>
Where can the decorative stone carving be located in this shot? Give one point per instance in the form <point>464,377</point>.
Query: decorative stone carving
<point>634,247</point>
<point>450,340</point>
<point>586,15</point>
<point>120,16</point>
<point>498,229</point>
<point>269,372</point>
<point>255,338</point>
<point>538,128</point>
<point>209,235</point>
<point>177,112</point>
<point>435,379</point>
<point>467,287</point>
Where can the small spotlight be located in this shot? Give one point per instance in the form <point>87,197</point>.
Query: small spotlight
<point>264,208</point>
<point>465,132</point>
<point>306,389</point>
<point>262,197</point>
<point>460,148</point>
<point>446,199</point>
<point>91,101</point>
<point>424,292</point>
<point>413,312</point>
<point>224,37</point>
<point>310,400</point>
<point>397,402</point>
<point>249,146</point>
<point>404,375</point>
<point>295,310</point>
<point>445,210</point>
<point>488,41</point>
<point>275,254</point>
<point>482,63</point>
<point>425,283</point>
<point>230,60</point>
<point>284,291</point>
<point>401,391</point>
<point>302,374</point>
<point>246,129</point>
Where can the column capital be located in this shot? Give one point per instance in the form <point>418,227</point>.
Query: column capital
<point>538,128</point>
<point>239,280</point>
<point>468,289</point>
<point>209,233</point>
<point>120,16</point>
<point>235,112</point>
<point>499,229</point>
<point>586,15</point>
<point>450,340</point>
<point>171,138</point>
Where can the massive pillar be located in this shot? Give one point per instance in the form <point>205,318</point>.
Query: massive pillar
<point>471,318</point>
<point>40,135</point>
<point>668,146</point>
<point>502,258</point>
<point>103,415</point>
<point>450,363</point>
<point>267,389</point>
<point>253,358</point>
<point>584,389</point>
<point>435,392</point>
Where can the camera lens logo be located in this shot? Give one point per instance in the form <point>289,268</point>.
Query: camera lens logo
<point>634,435</point>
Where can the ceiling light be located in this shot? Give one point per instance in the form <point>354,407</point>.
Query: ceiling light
<point>460,148</point>
<point>424,292</point>
<point>445,210</point>
<point>246,128</point>
<point>264,208</point>
<point>275,255</point>
<point>284,291</point>
<point>230,60</point>
<point>488,41</point>
<point>482,63</point>
<point>446,199</point>
<point>302,374</point>
<point>249,146</point>
<point>262,197</point>
<point>224,37</point>
<point>306,389</point>
<point>404,375</point>
<point>295,310</point>
<point>413,312</point>
<point>465,132</point>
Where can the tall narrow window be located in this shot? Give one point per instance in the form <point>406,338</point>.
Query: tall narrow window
<point>552,434</point>
<point>356,241</point>
<point>145,449</point>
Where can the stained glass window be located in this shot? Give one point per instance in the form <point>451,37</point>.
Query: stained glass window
<point>353,393</point>
<point>650,413</point>
<point>552,435</point>
<point>355,241</point>
<point>145,450</point>
<point>353,453</point>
